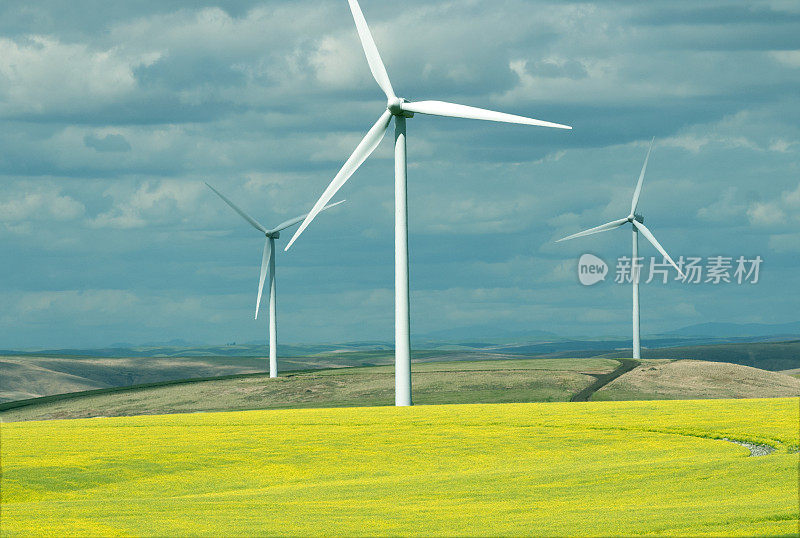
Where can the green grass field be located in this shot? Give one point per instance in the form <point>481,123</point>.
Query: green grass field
<point>596,468</point>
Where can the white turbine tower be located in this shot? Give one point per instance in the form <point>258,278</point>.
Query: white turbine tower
<point>399,109</point>
<point>268,260</point>
<point>637,224</point>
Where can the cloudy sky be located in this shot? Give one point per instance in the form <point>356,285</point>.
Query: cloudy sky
<point>114,114</point>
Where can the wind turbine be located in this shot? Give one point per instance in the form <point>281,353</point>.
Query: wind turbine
<point>399,109</point>
<point>268,259</point>
<point>637,224</point>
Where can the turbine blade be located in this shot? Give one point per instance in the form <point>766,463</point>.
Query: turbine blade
<point>440,108</point>
<point>244,215</point>
<point>362,151</point>
<point>638,191</point>
<point>291,222</point>
<point>597,229</point>
<point>371,51</point>
<point>264,263</point>
<point>650,237</point>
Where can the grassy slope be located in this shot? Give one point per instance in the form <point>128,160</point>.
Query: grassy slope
<point>31,376</point>
<point>35,376</point>
<point>20,380</point>
<point>518,380</point>
<point>688,379</point>
<point>794,372</point>
<point>41,376</point>
<point>599,468</point>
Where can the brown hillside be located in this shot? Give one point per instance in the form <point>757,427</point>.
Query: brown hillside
<point>690,379</point>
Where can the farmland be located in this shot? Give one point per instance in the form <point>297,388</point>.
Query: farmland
<point>501,469</point>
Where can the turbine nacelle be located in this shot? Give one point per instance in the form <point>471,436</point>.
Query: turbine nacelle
<point>271,234</point>
<point>395,106</point>
<point>634,219</point>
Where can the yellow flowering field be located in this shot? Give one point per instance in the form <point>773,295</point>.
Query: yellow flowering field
<point>596,468</point>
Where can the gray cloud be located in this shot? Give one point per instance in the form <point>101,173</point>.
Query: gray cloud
<point>107,143</point>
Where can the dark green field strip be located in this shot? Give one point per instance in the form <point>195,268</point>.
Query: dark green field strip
<point>774,356</point>
<point>111,390</point>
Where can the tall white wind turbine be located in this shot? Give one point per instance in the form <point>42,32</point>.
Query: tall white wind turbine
<point>637,224</point>
<point>399,109</point>
<point>268,261</point>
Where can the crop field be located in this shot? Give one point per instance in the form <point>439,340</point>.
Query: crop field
<point>593,468</point>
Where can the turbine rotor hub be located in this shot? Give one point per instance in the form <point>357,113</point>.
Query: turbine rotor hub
<point>395,106</point>
<point>274,235</point>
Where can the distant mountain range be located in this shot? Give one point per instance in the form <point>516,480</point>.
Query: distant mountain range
<point>484,334</point>
<point>723,330</point>
<point>462,338</point>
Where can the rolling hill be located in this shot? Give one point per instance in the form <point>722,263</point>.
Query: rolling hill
<point>690,379</point>
<point>25,376</point>
<point>31,376</point>
<point>517,380</point>
<point>774,356</point>
<point>450,382</point>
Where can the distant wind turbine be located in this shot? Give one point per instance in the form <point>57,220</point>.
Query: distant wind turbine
<point>399,109</point>
<point>268,259</point>
<point>637,224</point>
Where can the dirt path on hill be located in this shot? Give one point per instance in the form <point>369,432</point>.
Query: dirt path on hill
<point>626,365</point>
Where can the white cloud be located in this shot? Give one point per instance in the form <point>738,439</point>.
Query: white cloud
<point>470,213</point>
<point>40,74</point>
<point>726,209</point>
<point>783,211</point>
<point>564,271</point>
<point>781,146</point>
<point>92,308</point>
<point>337,62</point>
<point>785,243</point>
<point>72,302</point>
<point>696,143</point>
<point>790,58</point>
<point>40,203</point>
<point>152,203</point>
